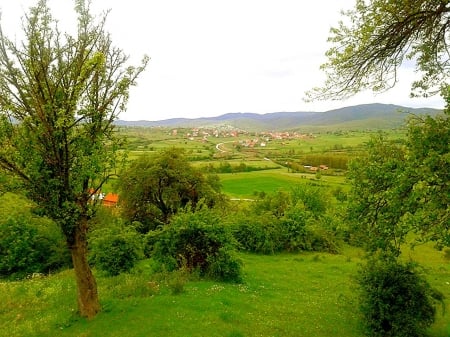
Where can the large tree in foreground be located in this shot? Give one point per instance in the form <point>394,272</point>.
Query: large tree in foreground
<point>59,96</point>
<point>377,36</point>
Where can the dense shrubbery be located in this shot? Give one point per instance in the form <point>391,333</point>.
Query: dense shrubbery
<point>31,245</point>
<point>290,222</point>
<point>295,231</point>
<point>259,234</point>
<point>115,249</point>
<point>396,301</point>
<point>197,242</point>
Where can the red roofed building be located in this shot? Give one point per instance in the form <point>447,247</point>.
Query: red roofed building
<point>110,200</point>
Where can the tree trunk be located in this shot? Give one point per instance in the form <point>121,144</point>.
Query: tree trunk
<point>88,303</point>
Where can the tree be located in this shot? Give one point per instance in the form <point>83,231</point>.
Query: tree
<point>376,37</point>
<point>59,96</point>
<point>368,48</point>
<point>155,187</point>
<point>396,189</point>
<point>428,160</point>
<point>401,188</point>
<point>376,203</point>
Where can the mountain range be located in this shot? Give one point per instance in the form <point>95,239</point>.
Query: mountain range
<point>364,116</point>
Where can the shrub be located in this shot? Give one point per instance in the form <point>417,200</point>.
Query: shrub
<point>259,234</point>
<point>315,199</point>
<point>197,241</point>
<point>116,249</point>
<point>31,245</point>
<point>293,232</point>
<point>396,301</point>
<point>296,236</point>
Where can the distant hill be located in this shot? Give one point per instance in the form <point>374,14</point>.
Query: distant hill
<point>365,116</point>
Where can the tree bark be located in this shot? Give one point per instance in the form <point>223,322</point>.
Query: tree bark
<point>87,295</point>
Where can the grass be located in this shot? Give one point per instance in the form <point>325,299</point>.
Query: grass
<point>245,184</point>
<point>282,295</point>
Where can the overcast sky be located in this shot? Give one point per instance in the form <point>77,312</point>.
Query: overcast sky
<point>210,57</point>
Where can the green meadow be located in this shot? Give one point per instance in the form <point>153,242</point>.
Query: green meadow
<point>308,294</point>
<point>249,184</point>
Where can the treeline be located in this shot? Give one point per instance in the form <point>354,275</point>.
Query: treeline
<point>226,167</point>
<point>336,162</point>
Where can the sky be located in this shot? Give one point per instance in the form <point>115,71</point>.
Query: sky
<point>211,57</point>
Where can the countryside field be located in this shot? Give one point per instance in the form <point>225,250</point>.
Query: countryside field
<point>296,294</point>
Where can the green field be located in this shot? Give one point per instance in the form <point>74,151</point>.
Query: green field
<point>282,295</point>
<point>247,184</point>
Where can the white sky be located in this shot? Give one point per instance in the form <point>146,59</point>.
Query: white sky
<point>210,57</point>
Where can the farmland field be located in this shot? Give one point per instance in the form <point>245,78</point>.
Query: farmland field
<point>271,158</point>
<point>248,184</point>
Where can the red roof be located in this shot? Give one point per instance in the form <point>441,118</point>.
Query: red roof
<point>111,199</point>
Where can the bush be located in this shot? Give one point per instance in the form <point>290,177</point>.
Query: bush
<point>115,249</point>
<point>293,232</point>
<point>259,234</point>
<point>31,245</point>
<point>396,301</point>
<point>197,241</point>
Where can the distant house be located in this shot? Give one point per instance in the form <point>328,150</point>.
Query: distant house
<point>110,200</point>
<point>323,167</point>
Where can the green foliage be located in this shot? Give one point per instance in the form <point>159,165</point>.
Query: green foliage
<point>275,204</point>
<point>59,96</point>
<point>281,222</point>
<point>154,188</point>
<point>376,37</point>
<point>377,200</point>
<point>115,249</point>
<point>198,242</point>
<point>258,234</point>
<point>402,188</point>
<point>428,146</point>
<point>226,167</point>
<point>314,198</point>
<point>395,300</point>
<point>30,245</point>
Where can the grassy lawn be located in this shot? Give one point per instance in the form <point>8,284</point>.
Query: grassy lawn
<point>282,295</point>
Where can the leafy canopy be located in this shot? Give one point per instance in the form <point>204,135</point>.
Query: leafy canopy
<point>59,96</point>
<point>398,188</point>
<point>155,187</point>
<point>375,38</point>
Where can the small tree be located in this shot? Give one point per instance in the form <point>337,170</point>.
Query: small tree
<point>59,96</point>
<point>376,205</point>
<point>154,188</point>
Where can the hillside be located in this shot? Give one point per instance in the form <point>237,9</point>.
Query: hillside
<point>365,116</point>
